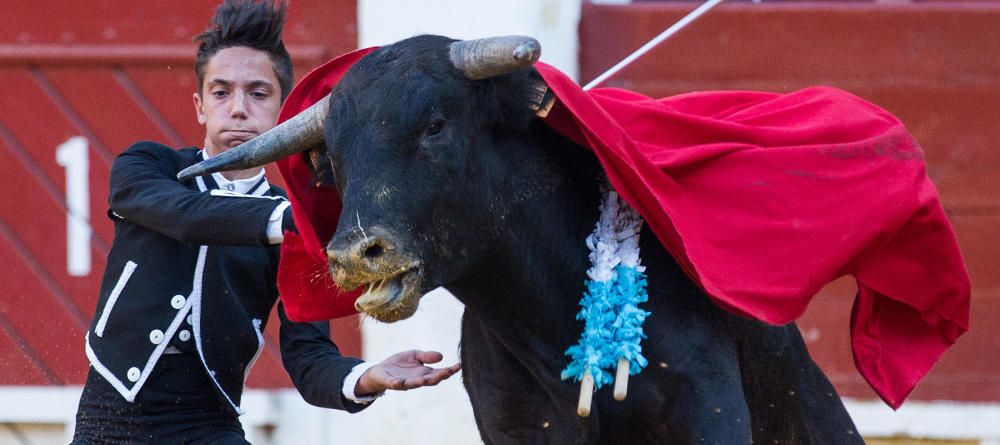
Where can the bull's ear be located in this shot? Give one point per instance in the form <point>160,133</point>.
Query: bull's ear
<point>319,160</point>
<point>542,99</point>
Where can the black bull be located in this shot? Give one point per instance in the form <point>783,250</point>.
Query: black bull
<point>451,181</point>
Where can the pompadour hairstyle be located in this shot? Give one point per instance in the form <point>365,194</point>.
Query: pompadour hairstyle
<point>249,23</point>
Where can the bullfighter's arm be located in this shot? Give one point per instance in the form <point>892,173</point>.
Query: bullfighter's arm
<point>315,364</point>
<point>145,191</point>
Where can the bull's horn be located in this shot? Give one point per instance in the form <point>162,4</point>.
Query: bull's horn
<point>494,56</point>
<point>300,133</point>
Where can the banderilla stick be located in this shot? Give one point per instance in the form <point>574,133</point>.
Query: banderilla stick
<point>621,379</point>
<point>586,395</point>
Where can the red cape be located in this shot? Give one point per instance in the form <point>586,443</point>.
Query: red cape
<point>762,198</point>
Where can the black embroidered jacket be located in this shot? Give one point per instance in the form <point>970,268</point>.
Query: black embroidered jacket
<point>191,267</point>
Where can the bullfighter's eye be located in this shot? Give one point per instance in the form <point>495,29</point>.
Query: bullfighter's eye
<point>435,127</point>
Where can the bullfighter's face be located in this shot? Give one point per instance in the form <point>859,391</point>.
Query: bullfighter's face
<point>239,99</point>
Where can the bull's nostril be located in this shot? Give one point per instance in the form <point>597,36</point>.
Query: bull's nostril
<point>374,251</point>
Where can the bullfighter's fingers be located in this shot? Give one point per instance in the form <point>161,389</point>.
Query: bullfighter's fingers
<point>433,377</point>
<point>412,383</point>
<point>438,375</point>
<point>428,356</point>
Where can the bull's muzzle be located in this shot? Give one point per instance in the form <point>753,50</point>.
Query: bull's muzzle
<point>374,257</point>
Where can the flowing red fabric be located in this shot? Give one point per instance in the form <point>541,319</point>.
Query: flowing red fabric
<point>304,283</point>
<point>762,198</point>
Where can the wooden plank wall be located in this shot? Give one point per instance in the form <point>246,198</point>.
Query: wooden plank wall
<point>115,72</point>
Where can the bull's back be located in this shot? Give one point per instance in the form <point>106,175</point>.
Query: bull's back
<point>790,397</point>
<point>782,394</point>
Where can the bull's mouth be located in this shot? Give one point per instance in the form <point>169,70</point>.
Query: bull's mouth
<point>392,298</point>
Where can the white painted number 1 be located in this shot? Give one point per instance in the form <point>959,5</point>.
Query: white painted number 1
<point>73,156</point>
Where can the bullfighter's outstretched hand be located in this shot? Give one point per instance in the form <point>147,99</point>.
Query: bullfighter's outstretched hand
<point>404,370</point>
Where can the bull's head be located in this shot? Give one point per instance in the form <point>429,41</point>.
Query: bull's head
<point>421,141</point>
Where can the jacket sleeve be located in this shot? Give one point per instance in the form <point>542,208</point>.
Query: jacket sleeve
<point>315,364</point>
<point>144,190</point>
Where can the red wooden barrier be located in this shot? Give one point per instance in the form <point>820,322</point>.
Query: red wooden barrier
<point>115,72</point>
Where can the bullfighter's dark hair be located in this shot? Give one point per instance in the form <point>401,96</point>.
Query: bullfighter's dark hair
<point>256,25</point>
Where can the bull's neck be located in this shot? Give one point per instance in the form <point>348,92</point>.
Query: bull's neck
<point>535,275</point>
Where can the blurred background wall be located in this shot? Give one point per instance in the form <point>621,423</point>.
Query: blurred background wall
<point>79,82</point>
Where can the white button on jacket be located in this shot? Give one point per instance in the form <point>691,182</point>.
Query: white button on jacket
<point>177,302</point>
<point>156,336</point>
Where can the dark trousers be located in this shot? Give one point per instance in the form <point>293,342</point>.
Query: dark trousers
<point>177,405</point>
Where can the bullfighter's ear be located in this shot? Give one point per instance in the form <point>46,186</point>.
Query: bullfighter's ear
<point>542,99</point>
<point>320,163</point>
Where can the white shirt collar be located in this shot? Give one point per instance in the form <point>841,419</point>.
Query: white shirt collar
<point>241,186</point>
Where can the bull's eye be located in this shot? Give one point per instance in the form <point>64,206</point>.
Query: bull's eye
<point>434,128</point>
